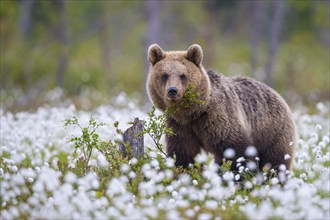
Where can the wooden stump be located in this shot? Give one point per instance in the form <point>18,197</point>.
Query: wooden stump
<point>133,140</point>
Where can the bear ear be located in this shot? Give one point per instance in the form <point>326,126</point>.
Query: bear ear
<point>195,54</point>
<point>155,54</point>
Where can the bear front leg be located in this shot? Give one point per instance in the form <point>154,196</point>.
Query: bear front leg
<point>240,153</point>
<point>238,143</point>
<point>183,144</point>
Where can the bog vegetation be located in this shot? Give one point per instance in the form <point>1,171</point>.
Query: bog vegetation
<point>52,172</point>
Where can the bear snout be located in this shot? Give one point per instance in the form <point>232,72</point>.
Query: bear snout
<point>172,92</point>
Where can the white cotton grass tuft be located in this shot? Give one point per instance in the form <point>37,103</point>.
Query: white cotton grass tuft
<point>274,181</point>
<point>133,161</point>
<point>41,141</point>
<point>169,162</point>
<point>228,176</point>
<point>248,185</point>
<point>125,168</point>
<point>201,158</point>
<point>251,151</point>
<point>240,159</point>
<point>251,165</point>
<point>154,163</point>
<point>282,167</point>
<point>287,157</point>
<point>102,160</point>
<point>229,153</point>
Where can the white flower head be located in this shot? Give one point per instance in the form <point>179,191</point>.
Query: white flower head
<point>133,161</point>
<point>287,157</point>
<point>125,168</point>
<point>169,162</point>
<point>241,159</point>
<point>282,167</point>
<point>251,151</point>
<point>275,181</point>
<point>201,158</point>
<point>251,165</point>
<point>102,160</point>
<point>229,153</point>
<point>228,176</point>
<point>248,185</point>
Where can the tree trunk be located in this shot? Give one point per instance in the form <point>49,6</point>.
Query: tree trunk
<point>210,31</point>
<point>63,39</point>
<point>25,21</point>
<point>103,31</point>
<point>255,33</point>
<point>277,8</point>
<point>25,26</point>
<point>152,11</point>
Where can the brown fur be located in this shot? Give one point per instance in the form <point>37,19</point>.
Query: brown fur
<point>236,112</point>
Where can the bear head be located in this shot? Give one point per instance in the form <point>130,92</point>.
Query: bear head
<point>173,73</point>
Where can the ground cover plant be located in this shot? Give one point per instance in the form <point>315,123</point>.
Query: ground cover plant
<point>60,163</point>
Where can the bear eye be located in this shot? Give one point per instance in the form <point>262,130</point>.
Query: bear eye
<point>164,76</point>
<point>183,77</point>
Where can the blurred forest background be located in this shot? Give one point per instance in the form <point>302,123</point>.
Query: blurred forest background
<point>90,51</point>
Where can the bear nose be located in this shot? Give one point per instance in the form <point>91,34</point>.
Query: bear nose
<point>172,91</point>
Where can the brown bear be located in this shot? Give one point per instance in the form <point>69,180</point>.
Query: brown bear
<point>231,112</point>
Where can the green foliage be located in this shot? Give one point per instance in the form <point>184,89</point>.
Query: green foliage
<point>190,98</point>
<point>155,127</point>
<point>86,143</point>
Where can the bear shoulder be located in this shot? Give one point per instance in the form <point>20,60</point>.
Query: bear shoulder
<point>214,77</point>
